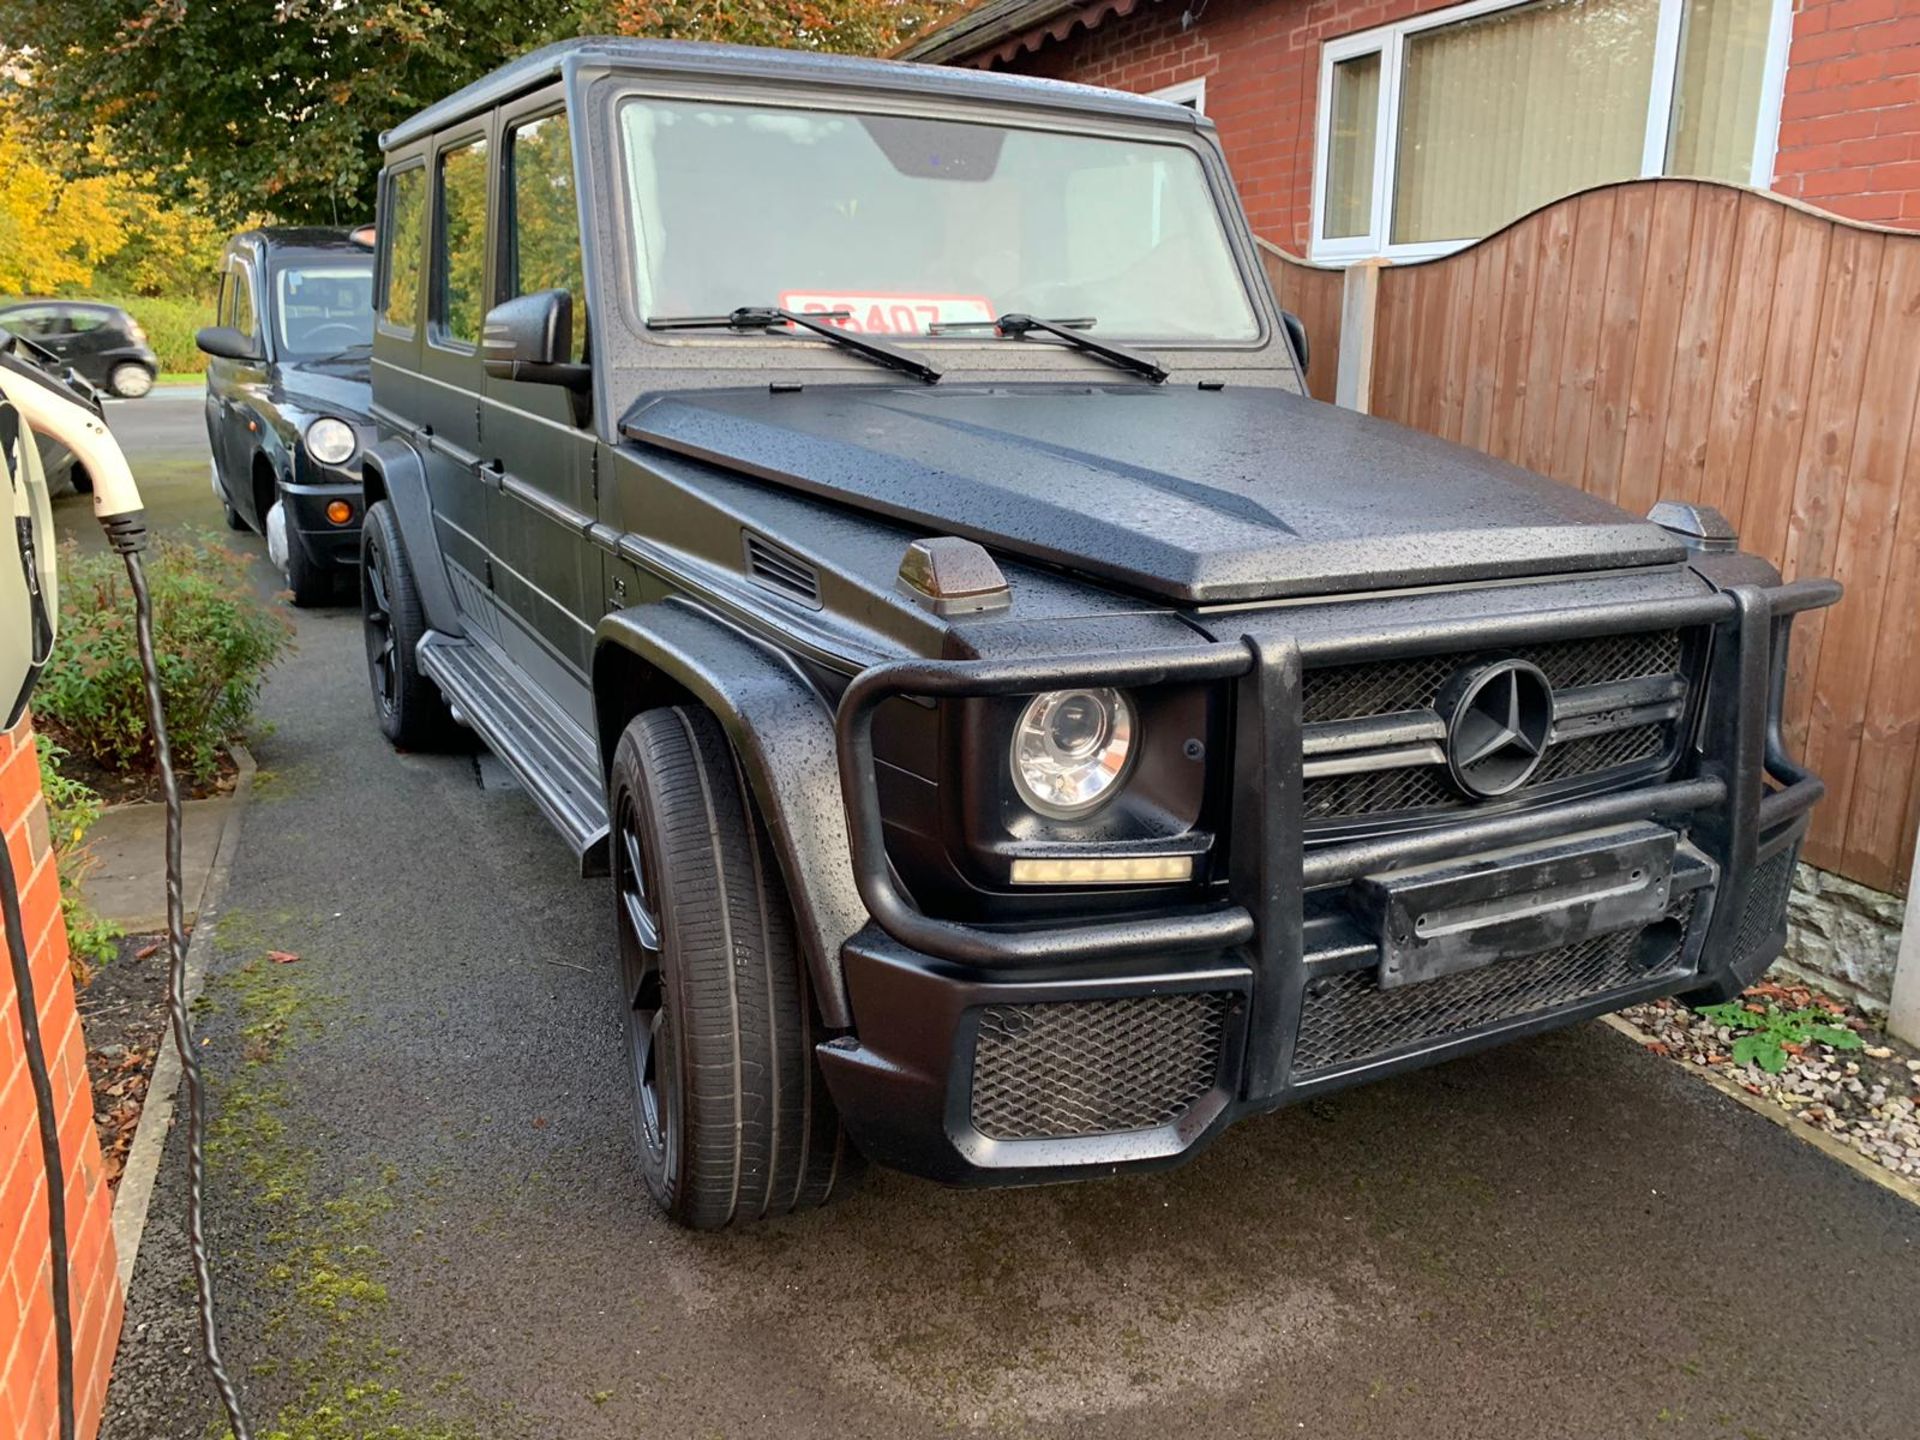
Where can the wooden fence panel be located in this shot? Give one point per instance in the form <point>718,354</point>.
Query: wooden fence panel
<point>1313,293</point>
<point>1682,339</point>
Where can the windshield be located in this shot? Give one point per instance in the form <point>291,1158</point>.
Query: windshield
<point>324,309</point>
<point>908,222</point>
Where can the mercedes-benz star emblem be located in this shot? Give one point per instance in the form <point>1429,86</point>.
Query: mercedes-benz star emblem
<point>1499,718</point>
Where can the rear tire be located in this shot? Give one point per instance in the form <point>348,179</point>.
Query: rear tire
<point>734,1119</point>
<point>412,712</point>
<point>130,380</point>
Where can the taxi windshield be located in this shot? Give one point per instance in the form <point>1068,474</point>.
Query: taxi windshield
<point>907,224</point>
<point>325,309</point>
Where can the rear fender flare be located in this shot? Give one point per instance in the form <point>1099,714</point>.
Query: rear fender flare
<point>392,471</point>
<point>671,652</point>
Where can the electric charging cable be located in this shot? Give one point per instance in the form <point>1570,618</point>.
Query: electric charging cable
<point>53,408</point>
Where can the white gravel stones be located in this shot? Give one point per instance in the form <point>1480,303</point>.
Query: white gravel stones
<point>1868,1098</point>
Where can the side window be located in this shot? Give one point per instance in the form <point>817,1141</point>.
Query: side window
<point>242,284</point>
<point>459,252</point>
<point>223,304</point>
<point>406,228</point>
<point>32,323</point>
<point>81,321</point>
<point>543,234</point>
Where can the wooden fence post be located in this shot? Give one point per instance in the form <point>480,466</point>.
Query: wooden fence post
<point>1359,303</point>
<point>1903,1013</point>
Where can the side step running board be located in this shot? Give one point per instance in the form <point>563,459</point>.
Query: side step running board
<point>546,750</point>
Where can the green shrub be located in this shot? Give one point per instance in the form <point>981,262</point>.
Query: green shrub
<point>215,641</point>
<point>170,322</point>
<point>72,809</point>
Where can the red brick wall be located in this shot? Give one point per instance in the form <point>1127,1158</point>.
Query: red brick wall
<point>1849,140</point>
<point>1850,123</point>
<point>26,1306</point>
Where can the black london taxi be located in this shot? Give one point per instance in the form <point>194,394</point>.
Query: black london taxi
<point>288,397</point>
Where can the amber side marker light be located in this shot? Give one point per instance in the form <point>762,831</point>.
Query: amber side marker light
<point>1130,870</point>
<point>339,512</point>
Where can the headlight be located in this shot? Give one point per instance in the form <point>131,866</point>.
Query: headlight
<point>331,441</point>
<point>1071,749</point>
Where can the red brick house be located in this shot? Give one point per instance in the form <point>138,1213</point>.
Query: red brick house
<point>1408,128</point>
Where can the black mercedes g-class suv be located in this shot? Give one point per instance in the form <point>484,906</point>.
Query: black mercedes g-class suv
<point>288,395</point>
<point>875,512</point>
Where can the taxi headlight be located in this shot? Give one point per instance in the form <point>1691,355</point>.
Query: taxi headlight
<point>331,441</point>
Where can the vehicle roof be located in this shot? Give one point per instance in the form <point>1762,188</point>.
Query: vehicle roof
<point>686,57</point>
<point>303,237</point>
<point>37,301</point>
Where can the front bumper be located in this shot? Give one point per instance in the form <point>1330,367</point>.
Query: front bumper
<point>983,1055</point>
<point>316,486</point>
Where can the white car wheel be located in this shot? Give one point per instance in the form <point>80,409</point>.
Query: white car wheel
<point>130,381</point>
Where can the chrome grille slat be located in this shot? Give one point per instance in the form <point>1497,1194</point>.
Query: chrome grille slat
<point>1372,739</point>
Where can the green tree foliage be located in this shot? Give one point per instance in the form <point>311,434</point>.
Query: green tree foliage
<point>271,107</point>
<point>846,27</point>
<point>275,107</point>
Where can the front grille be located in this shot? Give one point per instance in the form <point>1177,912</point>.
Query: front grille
<point>1766,903</point>
<point>1400,687</point>
<point>1094,1067</point>
<point>1347,1018</point>
<point>1590,754</point>
<point>1380,792</point>
<point>1353,692</point>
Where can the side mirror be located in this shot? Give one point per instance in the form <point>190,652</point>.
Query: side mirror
<point>223,342</point>
<point>529,339</point>
<point>1296,336</point>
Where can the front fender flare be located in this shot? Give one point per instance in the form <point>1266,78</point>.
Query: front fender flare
<point>782,731</point>
<point>392,471</point>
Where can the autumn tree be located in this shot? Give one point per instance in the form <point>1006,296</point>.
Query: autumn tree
<point>260,105</point>
<point>52,232</point>
<point>847,27</point>
<point>276,106</point>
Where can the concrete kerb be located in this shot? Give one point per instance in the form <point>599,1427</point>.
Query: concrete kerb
<point>135,1195</point>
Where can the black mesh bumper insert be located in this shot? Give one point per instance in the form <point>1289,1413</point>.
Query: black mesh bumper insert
<point>1347,1018</point>
<point>1094,1067</point>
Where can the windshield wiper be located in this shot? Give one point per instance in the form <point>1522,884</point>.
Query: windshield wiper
<point>766,317</point>
<point>1073,332</point>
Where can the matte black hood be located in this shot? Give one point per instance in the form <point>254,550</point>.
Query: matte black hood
<point>1195,496</point>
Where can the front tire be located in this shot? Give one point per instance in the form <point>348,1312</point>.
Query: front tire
<point>413,714</point>
<point>310,584</point>
<point>734,1120</point>
<point>130,380</point>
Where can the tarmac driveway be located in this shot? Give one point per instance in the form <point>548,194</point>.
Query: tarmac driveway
<point>428,1221</point>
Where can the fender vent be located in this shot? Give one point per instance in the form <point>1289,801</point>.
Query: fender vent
<point>781,570</point>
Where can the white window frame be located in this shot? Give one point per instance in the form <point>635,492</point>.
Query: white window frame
<point>1389,42</point>
<point>1188,92</point>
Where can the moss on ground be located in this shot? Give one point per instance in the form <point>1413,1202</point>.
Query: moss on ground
<point>324,1292</point>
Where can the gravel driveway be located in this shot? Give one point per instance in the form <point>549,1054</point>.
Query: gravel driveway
<point>429,1223</point>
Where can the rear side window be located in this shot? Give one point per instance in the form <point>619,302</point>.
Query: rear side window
<point>459,259</point>
<point>406,219</point>
<point>81,321</point>
<point>242,320</point>
<point>543,245</point>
